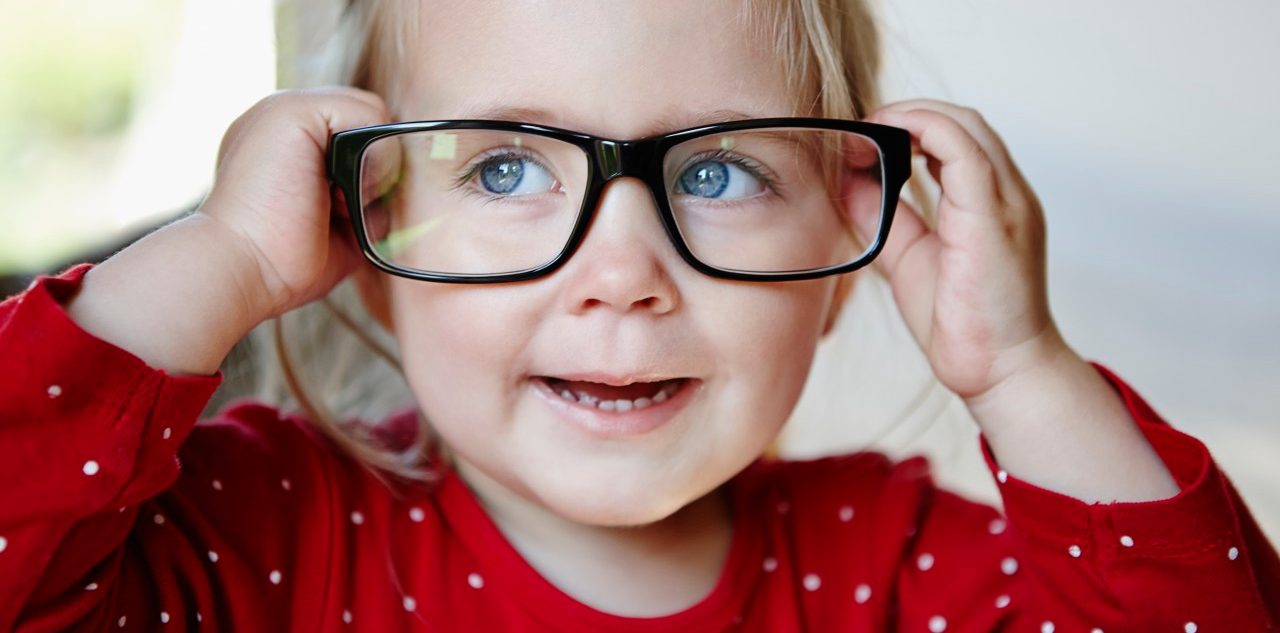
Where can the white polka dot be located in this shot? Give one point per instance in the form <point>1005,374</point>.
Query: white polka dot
<point>199,618</point>
<point>158,518</point>
<point>812,582</point>
<point>925,561</point>
<point>93,586</point>
<point>475,580</point>
<point>783,507</point>
<point>274,577</point>
<point>770,563</point>
<point>54,391</point>
<point>1074,550</point>
<point>1096,630</point>
<point>937,624</point>
<point>1231,553</point>
<point>167,433</point>
<point>862,593</point>
<point>217,484</point>
<point>121,621</point>
<point>357,518</point>
<point>410,604</point>
<point>213,556</point>
<point>1047,627</point>
<point>846,513</point>
<point>416,515</point>
<point>286,484</point>
<point>90,468</point>
<point>1003,476</point>
<point>1009,565</point>
<point>1126,541</point>
<point>4,543</point>
<point>1002,601</point>
<point>346,616</point>
<point>164,617</point>
<point>1190,627</point>
<point>997,526</point>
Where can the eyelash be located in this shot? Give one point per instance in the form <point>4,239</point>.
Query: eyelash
<point>504,153</point>
<point>756,169</point>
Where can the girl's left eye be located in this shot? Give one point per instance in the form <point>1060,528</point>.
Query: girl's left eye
<point>511,175</point>
<point>719,179</point>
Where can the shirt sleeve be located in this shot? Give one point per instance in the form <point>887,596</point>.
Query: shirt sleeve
<point>1194,562</point>
<point>88,431</point>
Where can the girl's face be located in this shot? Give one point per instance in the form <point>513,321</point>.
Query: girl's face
<point>625,307</point>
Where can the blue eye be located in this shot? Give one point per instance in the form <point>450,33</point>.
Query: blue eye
<point>511,175</point>
<point>718,179</point>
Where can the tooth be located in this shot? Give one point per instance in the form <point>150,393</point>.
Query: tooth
<point>623,405</point>
<point>567,395</point>
<point>661,396</point>
<point>586,398</point>
<point>607,405</point>
<point>643,402</point>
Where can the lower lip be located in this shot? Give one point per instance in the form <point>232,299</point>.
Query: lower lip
<point>614,424</point>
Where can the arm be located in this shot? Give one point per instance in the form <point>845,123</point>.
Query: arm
<point>1062,426</point>
<point>107,368</point>
<point>85,430</point>
<point>1193,562</point>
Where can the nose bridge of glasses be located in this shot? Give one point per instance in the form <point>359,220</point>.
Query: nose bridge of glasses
<point>622,158</point>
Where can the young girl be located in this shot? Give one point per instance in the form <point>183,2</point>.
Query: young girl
<point>603,420</point>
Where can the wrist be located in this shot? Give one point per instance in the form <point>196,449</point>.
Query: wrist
<point>238,260</point>
<point>1047,370</point>
<point>177,299</point>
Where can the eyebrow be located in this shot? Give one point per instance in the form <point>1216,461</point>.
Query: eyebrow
<point>661,125</point>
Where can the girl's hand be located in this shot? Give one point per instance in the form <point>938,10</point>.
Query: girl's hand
<point>271,197</point>
<point>972,291</point>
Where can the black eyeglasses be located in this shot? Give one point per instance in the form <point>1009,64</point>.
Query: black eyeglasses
<point>471,201</point>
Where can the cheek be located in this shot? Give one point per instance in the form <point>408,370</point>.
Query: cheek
<point>765,336</point>
<point>457,340</point>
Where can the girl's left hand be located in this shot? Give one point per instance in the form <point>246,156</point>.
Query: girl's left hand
<point>973,290</point>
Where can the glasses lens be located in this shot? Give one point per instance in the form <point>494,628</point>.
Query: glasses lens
<point>470,202</point>
<point>775,199</point>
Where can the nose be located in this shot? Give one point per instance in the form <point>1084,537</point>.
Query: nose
<point>624,261</point>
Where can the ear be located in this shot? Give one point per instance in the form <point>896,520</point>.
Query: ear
<point>371,284</point>
<point>844,286</point>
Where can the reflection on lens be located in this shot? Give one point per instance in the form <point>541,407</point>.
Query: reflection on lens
<point>398,240</point>
<point>775,199</point>
<point>471,201</point>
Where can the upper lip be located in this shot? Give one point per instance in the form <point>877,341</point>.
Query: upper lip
<point>612,379</point>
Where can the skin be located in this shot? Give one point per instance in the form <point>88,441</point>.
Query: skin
<point>579,508</point>
<point>972,293</point>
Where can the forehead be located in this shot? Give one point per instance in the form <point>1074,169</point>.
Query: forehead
<point>616,69</point>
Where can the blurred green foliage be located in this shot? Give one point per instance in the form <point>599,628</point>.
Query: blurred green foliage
<point>70,71</point>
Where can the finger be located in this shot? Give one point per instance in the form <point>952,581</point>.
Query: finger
<point>967,175</point>
<point>907,231</point>
<point>910,264</point>
<point>977,126</point>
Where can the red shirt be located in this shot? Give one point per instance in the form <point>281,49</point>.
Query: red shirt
<point>119,511</point>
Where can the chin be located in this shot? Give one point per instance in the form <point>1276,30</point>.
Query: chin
<point>591,501</point>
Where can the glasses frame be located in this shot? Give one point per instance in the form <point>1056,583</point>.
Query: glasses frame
<point>608,159</point>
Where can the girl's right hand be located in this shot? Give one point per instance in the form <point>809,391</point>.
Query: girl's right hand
<point>271,196</point>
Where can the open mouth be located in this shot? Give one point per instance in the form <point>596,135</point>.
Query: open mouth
<point>620,398</point>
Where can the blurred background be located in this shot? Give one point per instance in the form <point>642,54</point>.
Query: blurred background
<point>1148,129</point>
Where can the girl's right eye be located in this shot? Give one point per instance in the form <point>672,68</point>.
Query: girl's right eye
<point>513,175</point>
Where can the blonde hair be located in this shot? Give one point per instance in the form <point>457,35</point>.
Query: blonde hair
<point>831,52</point>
